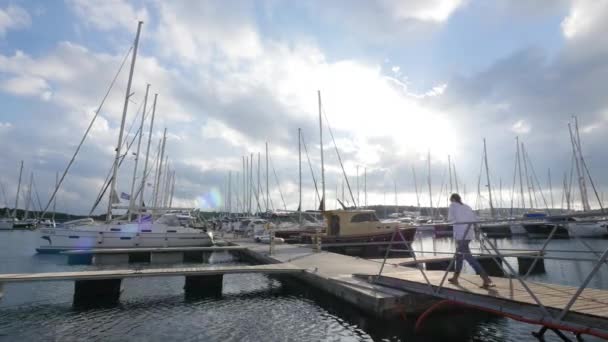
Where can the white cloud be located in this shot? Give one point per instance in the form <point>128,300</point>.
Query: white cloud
<point>26,85</point>
<point>13,17</point>
<point>521,127</point>
<point>585,18</point>
<point>424,10</point>
<point>199,31</point>
<point>109,14</point>
<point>584,29</point>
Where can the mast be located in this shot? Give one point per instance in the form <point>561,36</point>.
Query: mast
<point>396,199</point>
<point>143,178</point>
<point>267,187</point>
<point>430,189</point>
<point>416,188</point>
<point>257,194</point>
<point>243,194</point>
<point>322,160</point>
<point>172,190</point>
<point>365,185</point>
<point>141,133</point>
<point>229,192</point>
<point>450,172</point>
<point>358,198</point>
<point>300,175</point>
<point>523,157</point>
<point>160,169</point>
<point>550,187</point>
<point>251,187</point>
<point>122,125</point>
<point>575,140</point>
<point>485,157</point>
<point>29,197</point>
<point>55,198</point>
<point>18,191</point>
<point>521,183</point>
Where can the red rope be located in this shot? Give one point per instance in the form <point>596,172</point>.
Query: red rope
<point>434,307</point>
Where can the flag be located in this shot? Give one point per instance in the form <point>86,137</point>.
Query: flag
<point>125,196</point>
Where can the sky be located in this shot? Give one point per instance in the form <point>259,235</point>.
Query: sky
<point>399,80</point>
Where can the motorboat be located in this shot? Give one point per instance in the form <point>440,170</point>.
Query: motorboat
<point>355,228</point>
<point>169,230</point>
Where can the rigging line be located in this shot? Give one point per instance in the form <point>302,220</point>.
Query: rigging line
<point>527,157</point>
<point>128,145</point>
<point>277,180</point>
<point>4,193</point>
<point>311,169</point>
<point>37,195</point>
<point>331,133</point>
<point>86,133</point>
<point>578,146</point>
<point>514,185</point>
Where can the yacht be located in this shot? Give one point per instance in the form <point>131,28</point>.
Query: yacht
<point>169,230</point>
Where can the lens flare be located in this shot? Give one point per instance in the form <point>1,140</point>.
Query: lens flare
<point>210,200</point>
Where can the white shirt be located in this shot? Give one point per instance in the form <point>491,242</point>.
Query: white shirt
<point>462,213</point>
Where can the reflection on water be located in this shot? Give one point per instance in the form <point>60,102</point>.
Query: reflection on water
<point>253,307</point>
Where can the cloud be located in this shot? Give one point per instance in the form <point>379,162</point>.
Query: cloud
<point>584,29</point>
<point>521,127</point>
<point>27,86</point>
<point>203,31</point>
<point>12,18</point>
<point>108,15</point>
<point>423,10</point>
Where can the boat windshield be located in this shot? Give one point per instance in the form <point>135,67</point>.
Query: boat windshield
<point>364,217</point>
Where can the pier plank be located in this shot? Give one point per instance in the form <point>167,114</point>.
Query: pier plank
<point>151,272</point>
<point>154,249</point>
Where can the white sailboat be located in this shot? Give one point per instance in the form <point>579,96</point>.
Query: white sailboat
<point>172,229</point>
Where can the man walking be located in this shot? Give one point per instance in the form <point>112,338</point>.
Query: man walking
<point>458,214</point>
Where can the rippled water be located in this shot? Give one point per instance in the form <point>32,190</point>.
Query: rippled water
<point>252,307</point>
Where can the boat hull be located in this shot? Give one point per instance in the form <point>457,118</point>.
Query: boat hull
<point>369,251</point>
<point>542,230</point>
<point>54,240</point>
<point>496,230</point>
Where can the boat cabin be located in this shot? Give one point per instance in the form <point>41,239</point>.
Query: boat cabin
<point>356,222</point>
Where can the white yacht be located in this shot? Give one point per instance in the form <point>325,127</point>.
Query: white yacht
<point>170,230</point>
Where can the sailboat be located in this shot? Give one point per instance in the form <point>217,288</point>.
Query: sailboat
<point>496,229</point>
<point>171,229</point>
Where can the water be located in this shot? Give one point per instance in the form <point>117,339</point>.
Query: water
<point>252,308</point>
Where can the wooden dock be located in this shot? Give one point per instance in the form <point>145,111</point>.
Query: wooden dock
<point>106,285</point>
<point>448,257</point>
<point>403,290</point>
<point>156,255</point>
<point>588,315</point>
<point>149,272</point>
<point>153,250</point>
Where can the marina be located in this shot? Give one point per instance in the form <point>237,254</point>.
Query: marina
<point>345,171</point>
